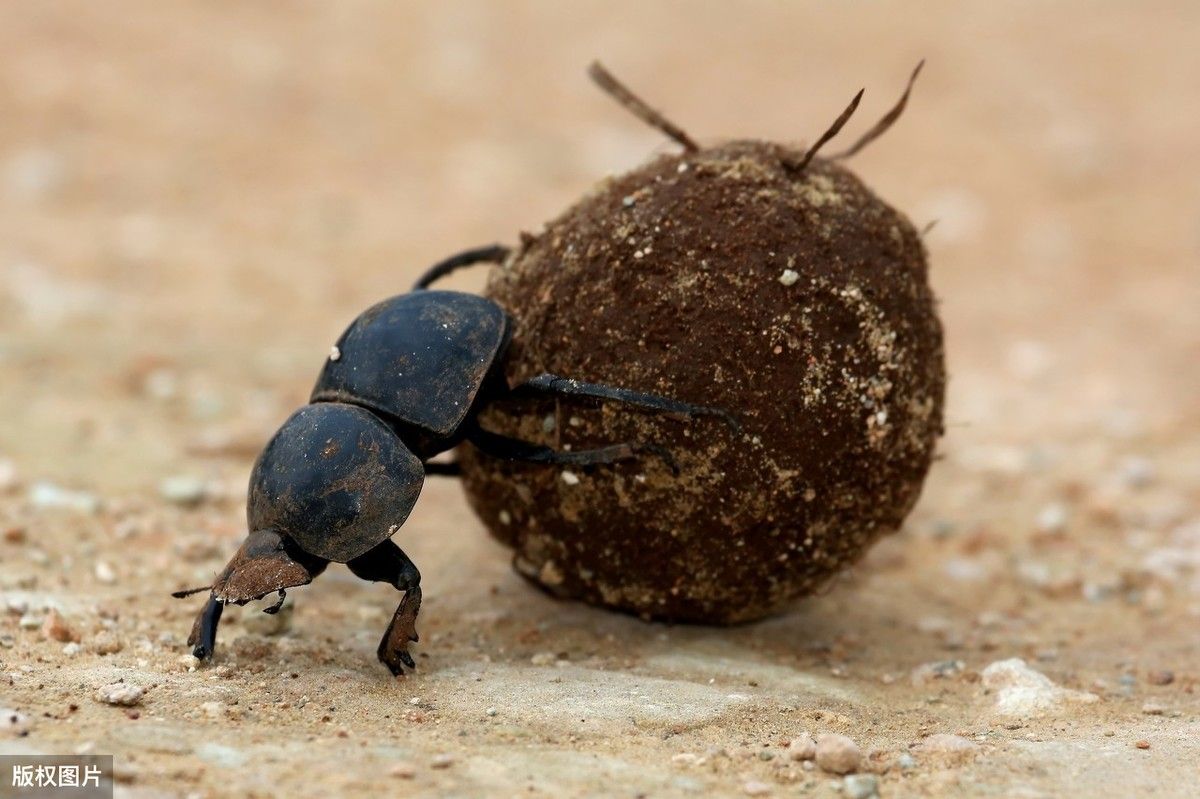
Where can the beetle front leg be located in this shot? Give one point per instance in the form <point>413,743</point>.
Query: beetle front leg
<point>387,563</point>
<point>204,631</point>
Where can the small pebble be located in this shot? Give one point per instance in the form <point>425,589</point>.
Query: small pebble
<point>906,762</point>
<point>1143,744</point>
<point>755,788</point>
<point>182,489</point>
<point>55,628</point>
<point>13,723</point>
<point>105,573</point>
<point>121,694</point>
<point>105,643</point>
<point>52,497</point>
<point>442,761</point>
<point>72,649</point>
<point>802,747</point>
<point>1161,677</point>
<point>946,744</point>
<point>405,771</point>
<point>789,277</point>
<point>8,475</point>
<point>861,786</point>
<point>1137,472</point>
<point>838,754</point>
<point>570,478</point>
<point>1053,518</point>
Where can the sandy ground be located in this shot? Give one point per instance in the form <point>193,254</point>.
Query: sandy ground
<point>196,198</point>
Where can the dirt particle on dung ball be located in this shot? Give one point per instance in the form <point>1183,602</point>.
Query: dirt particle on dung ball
<point>838,754</point>
<point>753,518</point>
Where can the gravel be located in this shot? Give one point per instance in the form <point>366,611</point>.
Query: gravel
<point>861,786</point>
<point>120,694</point>
<point>838,754</point>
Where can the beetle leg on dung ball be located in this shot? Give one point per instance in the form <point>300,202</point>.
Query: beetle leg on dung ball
<point>514,449</point>
<point>555,386</point>
<point>493,254</point>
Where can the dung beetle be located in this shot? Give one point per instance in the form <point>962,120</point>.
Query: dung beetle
<point>405,383</point>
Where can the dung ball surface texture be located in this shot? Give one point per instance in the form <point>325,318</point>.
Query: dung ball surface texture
<point>795,299</point>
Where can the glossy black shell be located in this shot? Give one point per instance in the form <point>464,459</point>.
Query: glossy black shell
<point>336,479</point>
<point>419,360</point>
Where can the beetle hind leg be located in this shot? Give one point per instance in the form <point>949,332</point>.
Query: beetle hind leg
<point>514,449</point>
<point>387,563</point>
<point>548,385</point>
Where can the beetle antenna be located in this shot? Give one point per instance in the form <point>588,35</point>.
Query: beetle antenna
<point>636,106</point>
<point>888,119</point>
<point>187,592</point>
<point>830,133</point>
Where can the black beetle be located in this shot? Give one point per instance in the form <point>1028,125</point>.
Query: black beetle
<point>404,383</point>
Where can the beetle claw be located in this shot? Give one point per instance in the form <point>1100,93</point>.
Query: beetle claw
<point>393,647</point>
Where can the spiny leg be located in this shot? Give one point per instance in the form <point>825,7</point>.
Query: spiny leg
<point>387,563</point>
<point>514,449</point>
<point>553,385</point>
<point>493,254</point>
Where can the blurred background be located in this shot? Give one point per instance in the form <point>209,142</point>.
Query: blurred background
<point>220,187</point>
<point>196,198</point>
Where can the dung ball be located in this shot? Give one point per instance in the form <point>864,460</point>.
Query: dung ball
<point>732,276</point>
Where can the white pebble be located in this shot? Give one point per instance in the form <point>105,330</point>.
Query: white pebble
<point>861,786</point>
<point>182,489</point>
<point>1135,472</point>
<point>121,694</point>
<point>13,723</point>
<point>335,354</point>
<point>8,475</point>
<point>1022,692</point>
<point>105,573</point>
<point>570,478</point>
<point>48,495</point>
<point>1052,518</point>
<point>789,277</point>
